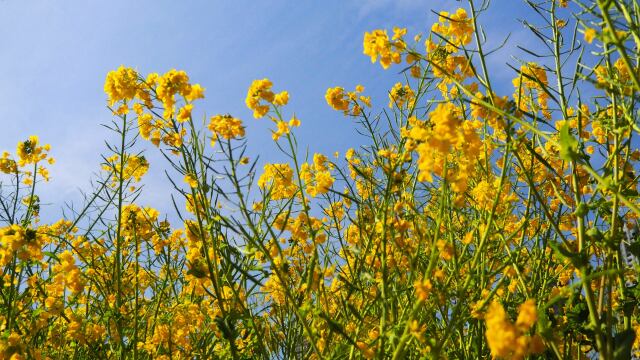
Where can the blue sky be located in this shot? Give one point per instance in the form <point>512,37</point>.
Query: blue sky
<point>55,55</point>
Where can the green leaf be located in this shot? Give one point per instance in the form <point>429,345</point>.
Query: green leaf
<point>568,144</point>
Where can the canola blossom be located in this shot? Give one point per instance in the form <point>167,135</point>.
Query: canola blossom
<point>476,220</point>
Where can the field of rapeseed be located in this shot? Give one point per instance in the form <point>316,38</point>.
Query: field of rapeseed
<point>472,225</point>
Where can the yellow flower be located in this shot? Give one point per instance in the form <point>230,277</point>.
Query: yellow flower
<point>589,35</point>
<point>191,180</point>
<point>281,98</point>
<point>133,167</point>
<point>294,122</point>
<point>590,149</point>
<point>457,28</point>
<point>283,128</point>
<point>529,84</point>
<point>337,99</point>
<point>423,289</point>
<point>340,100</point>
<point>278,178</point>
<point>484,195</point>
<point>184,113</point>
<point>401,95</point>
<point>68,273</point>
<point>171,83</point>
<point>121,84</point>
<point>367,351</point>
<point>501,334</point>
<point>225,126</point>
<point>510,341</point>
<point>29,152</point>
<point>260,90</point>
<point>7,165</point>
<point>445,133</point>
<point>317,176</point>
<point>42,171</point>
<point>197,92</point>
<point>446,249</point>
<point>528,314</point>
<point>377,44</point>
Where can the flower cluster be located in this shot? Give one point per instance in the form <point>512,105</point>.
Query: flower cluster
<point>619,77</point>
<point>68,274</point>
<point>8,165</point>
<point>277,179</point>
<point>122,84</point>
<point>260,97</point>
<point>172,83</point>
<point>317,176</point>
<point>350,103</point>
<point>401,96</point>
<point>24,243</point>
<point>454,31</point>
<point>226,127</point>
<point>30,155</point>
<point>529,86</point>
<point>31,152</point>
<point>457,28</point>
<point>146,95</point>
<point>283,127</point>
<point>377,44</point>
<point>130,167</point>
<point>423,288</point>
<point>259,91</point>
<point>446,133</point>
<point>508,340</point>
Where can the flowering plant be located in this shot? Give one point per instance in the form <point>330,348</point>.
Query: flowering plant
<point>473,224</point>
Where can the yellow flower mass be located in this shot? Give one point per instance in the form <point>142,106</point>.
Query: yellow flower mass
<point>226,127</point>
<point>465,218</point>
<point>259,96</point>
